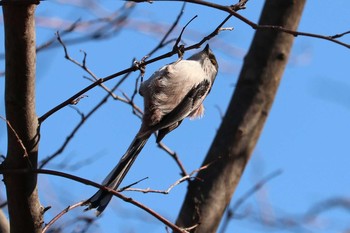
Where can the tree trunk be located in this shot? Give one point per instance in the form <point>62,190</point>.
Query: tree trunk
<point>25,211</point>
<point>209,194</point>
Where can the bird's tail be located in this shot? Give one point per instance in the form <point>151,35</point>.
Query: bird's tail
<point>101,198</point>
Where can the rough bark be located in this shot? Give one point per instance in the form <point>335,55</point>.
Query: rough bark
<point>209,195</point>
<point>25,212</point>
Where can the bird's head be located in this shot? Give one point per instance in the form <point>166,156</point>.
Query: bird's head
<point>208,61</point>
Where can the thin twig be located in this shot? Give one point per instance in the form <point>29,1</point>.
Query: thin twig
<point>82,65</point>
<point>167,191</point>
<point>230,213</point>
<point>136,110</point>
<point>176,47</point>
<point>174,155</point>
<point>125,71</point>
<point>59,215</point>
<point>339,35</point>
<point>162,42</point>
<point>25,152</point>
<point>112,24</point>
<point>78,126</point>
<point>96,185</point>
<point>232,10</point>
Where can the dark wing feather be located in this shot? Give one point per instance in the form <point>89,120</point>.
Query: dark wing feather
<point>189,103</point>
<point>162,132</point>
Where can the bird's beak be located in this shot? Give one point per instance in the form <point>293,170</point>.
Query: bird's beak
<point>206,49</point>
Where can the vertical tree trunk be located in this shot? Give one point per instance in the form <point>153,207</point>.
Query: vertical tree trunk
<point>209,195</point>
<point>25,211</point>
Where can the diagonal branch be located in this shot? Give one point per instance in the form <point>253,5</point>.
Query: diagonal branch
<point>231,212</point>
<point>136,110</point>
<point>15,134</point>
<point>177,182</point>
<point>133,68</point>
<point>233,11</point>
<point>96,185</point>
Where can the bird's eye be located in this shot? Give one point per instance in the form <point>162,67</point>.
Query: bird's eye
<point>212,59</point>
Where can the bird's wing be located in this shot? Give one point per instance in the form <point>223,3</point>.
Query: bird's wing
<point>164,131</point>
<point>192,100</point>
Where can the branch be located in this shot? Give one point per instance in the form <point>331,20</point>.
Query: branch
<point>96,185</point>
<point>80,124</point>
<point>179,181</point>
<point>136,109</point>
<point>133,68</point>
<point>15,134</point>
<point>174,155</point>
<point>230,213</point>
<point>206,201</point>
<point>98,28</point>
<point>84,67</point>
<point>58,216</point>
<point>233,8</point>
<point>326,205</point>
<point>162,42</point>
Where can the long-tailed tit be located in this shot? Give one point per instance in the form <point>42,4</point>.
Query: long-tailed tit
<point>174,92</point>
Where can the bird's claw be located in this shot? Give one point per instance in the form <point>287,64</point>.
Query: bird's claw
<point>141,66</point>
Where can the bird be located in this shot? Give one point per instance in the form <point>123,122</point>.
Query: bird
<point>174,92</point>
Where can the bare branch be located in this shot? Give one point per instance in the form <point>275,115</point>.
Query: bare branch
<point>230,213</point>
<point>232,10</point>
<point>136,110</point>
<point>48,43</point>
<point>125,71</point>
<point>58,216</point>
<point>162,42</point>
<point>174,155</point>
<point>339,35</point>
<point>179,181</point>
<point>326,205</point>
<point>82,65</point>
<point>96,185</point>
<point>99,28</point>
<point>79,125</point>
<point>25,152</point>
<point>205,202</point>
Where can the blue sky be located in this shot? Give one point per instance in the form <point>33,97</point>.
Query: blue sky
<point>306,134</point>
